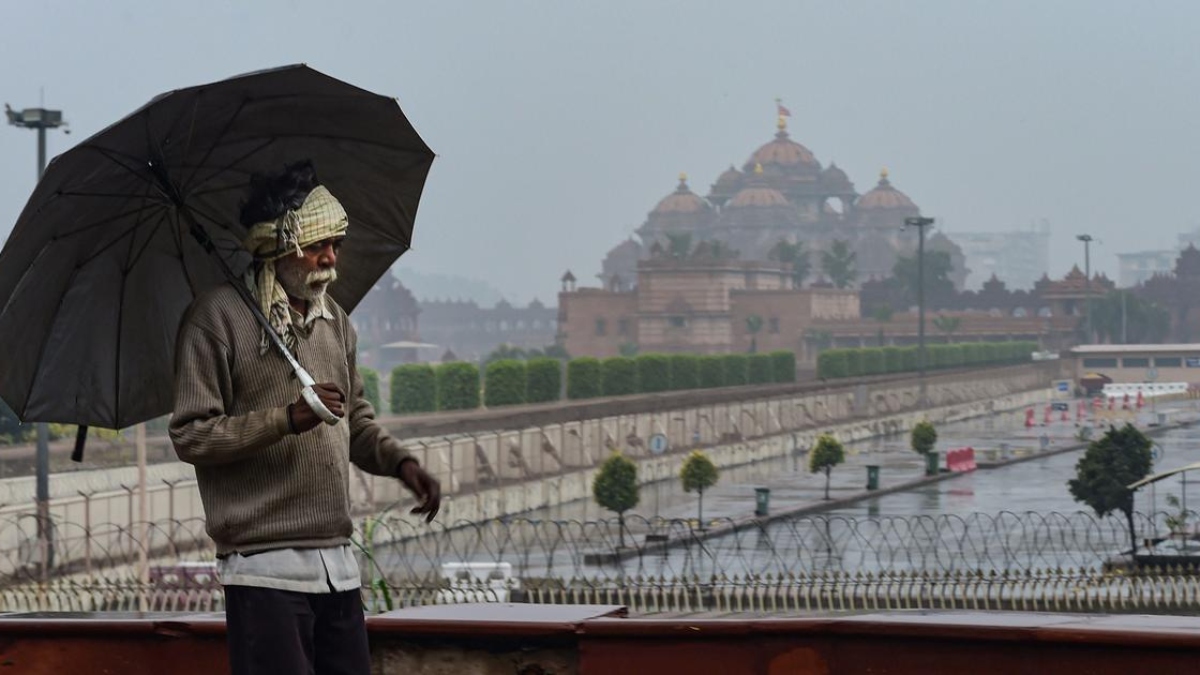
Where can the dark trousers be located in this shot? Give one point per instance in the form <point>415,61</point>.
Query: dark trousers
<point>286,633</point>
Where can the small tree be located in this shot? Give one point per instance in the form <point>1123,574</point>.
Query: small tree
<point>826,454</point>
<point>1110,464</point>
<point>615,487</point>
<point>754,324</point>
<point>699,474</point>
<point>923,438</point>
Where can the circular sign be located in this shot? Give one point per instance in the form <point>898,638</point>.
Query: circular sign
<point>1151,374</point>
<point>1156,452</point>
<point>658,444</point>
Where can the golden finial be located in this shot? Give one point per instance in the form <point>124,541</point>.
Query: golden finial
<point>758,169</point>
<point>682,176</point>
<point>883,173</point>
<point>781,124</point>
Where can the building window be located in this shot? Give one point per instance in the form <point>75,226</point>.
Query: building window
<point>677,321</point>
<point>601,327</point>
<point>1137,362</point>
<point>773,325</point>
<point>623,326</point>
<point>1168,362</point>
<point>1099,363</point>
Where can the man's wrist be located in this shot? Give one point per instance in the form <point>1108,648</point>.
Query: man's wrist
<point>290,420</point>
<point>400,466</point>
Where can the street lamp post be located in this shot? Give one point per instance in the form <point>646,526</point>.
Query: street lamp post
<point>1087,282</point>
<point>920,223</point>
<point>41,119</point>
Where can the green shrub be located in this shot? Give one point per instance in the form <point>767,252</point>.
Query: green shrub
<point>758,369</point>
<point>685,371</point>
<point>583,378</point>
<point>871,360</point>
<point>504,383</point>
<point>833,364</point>
<point>618,376</point>
<point>893,360</point>
<point>414,388</point>
<point>911,358</point>
<point>370,381</point>
<point>737,369</point>
<point>543,380</point>
<point>653,372</point>
<point>783,365</point>
<point>712,371</point>
<point>854,362</point>
<point>457,386</point>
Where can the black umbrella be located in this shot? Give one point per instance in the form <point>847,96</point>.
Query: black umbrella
<point>125,229</point>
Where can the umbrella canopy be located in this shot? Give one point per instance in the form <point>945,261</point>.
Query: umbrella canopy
<point>108,253</point>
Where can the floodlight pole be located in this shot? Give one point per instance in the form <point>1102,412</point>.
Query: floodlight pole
<point>1087,282</point>
<point>920,223</point>
<point>41,119</point>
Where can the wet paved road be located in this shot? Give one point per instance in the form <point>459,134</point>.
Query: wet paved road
<point>973,521</point>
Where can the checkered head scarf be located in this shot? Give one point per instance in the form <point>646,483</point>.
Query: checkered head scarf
<point>320,217</point>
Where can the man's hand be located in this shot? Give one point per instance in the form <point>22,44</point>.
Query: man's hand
<point>303,418</point>
<point>424,486</point>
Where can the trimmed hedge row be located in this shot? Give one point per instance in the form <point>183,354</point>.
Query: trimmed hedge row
<point>370,381</point>
<point>857,362</point>
<point>456,386</point>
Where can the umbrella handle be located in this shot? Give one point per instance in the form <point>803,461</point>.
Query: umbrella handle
<point>311,398</point>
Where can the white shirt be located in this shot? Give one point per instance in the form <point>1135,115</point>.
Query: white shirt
<point>301,570</point>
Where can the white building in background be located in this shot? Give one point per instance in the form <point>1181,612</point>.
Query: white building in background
<point>1191,238</point>
<point>1134,268</point>
<point>1018,258</point>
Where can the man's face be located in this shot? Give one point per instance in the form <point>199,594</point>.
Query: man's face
<point>308,275</point>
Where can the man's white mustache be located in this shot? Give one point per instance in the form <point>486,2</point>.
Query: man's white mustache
<point>321,277</point>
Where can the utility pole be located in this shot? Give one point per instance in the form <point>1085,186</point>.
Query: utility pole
<point>41,120</point>
<point>1087,282</point>
<point>920,223</point>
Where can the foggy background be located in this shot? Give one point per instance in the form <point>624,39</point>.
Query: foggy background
<point>559,125</point>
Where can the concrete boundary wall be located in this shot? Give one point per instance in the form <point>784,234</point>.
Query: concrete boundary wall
<point>491,474</point>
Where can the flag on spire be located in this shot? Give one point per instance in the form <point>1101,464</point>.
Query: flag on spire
<point>783,111</point>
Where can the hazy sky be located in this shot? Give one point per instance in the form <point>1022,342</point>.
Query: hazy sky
<point>559,125</point>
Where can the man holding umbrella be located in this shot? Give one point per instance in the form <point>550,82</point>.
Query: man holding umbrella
<point>274,478</point>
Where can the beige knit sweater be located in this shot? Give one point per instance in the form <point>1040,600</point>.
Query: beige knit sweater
<point>262,487</point>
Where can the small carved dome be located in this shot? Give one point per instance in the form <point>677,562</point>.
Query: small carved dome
<point>784,154</point>
<point>758,193</point>
<point>835,181</point>
<point>885,197</point>
<point>682,200</point>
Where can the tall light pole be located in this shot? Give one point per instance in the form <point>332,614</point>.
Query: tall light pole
<point>1087,282</point>
<point>920,223</point>
<point>41,119</point>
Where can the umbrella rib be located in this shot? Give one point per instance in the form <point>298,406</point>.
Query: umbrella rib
<point>177,232</point>
<point>333,137</point>
<point>111,156</point>
<point>42,346</point>
<point>216,141</point>
<point>229,167</point>
<point>104,221</point>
